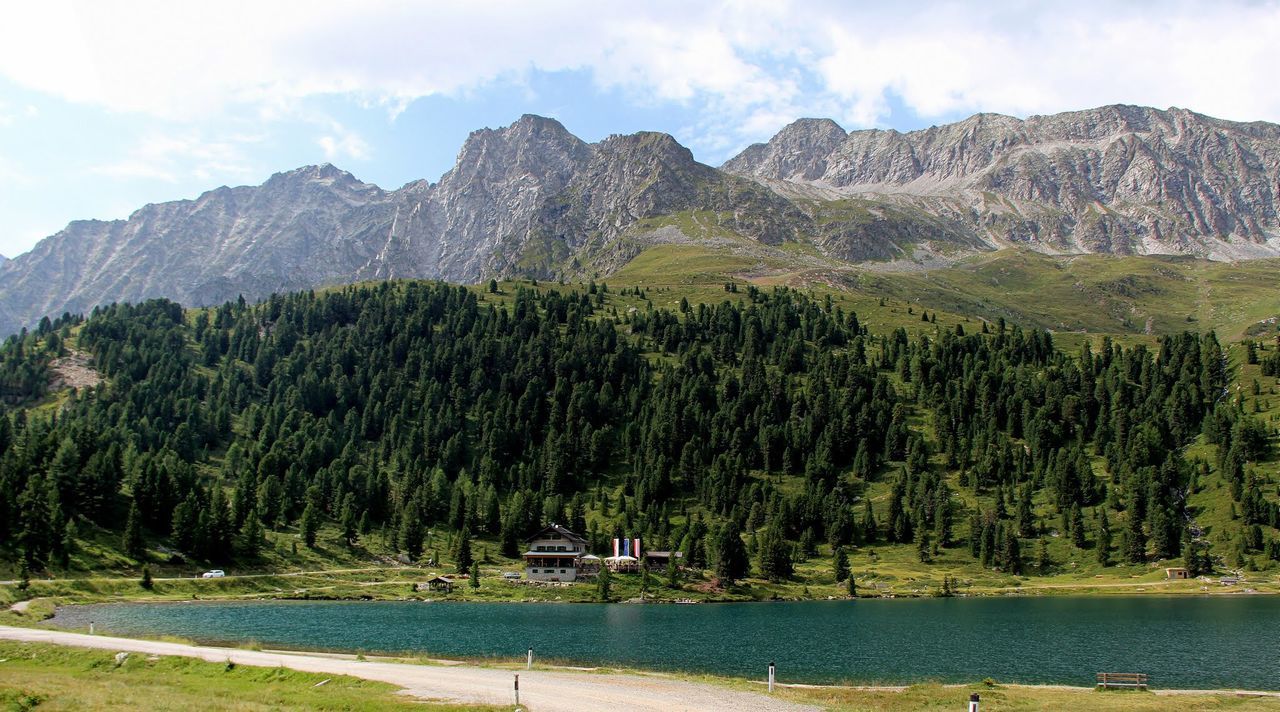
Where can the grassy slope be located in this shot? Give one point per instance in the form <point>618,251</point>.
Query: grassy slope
<point>58,678</point>
<point>1086,293</point>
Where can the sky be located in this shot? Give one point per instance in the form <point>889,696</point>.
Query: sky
<point>108,106</point>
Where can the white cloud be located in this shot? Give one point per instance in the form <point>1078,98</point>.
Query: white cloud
<point>750,66</point>
<point>345,144</point>
<point>173,158</point>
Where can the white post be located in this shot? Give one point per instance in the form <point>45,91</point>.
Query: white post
<point>772,668</point>
<point>90,627</point>
<point>973,702</point>
<point>517,689</point>
<point>529,663</point>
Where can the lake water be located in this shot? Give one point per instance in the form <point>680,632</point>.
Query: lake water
<point>1188,642</point>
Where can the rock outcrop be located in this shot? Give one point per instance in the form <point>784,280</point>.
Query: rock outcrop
<point>1117,179</point>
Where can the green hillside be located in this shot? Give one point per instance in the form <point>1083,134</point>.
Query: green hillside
<point>765,430</point>
<point>1078,293</point>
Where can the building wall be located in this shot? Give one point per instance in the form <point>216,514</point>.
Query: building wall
<point>540,573</point>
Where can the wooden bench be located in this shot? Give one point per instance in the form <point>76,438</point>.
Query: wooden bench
<point>1122,680</point>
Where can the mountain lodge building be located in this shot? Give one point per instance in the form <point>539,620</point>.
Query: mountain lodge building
<point>552,554</point>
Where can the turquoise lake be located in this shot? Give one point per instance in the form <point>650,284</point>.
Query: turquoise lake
<point>1186,642</point>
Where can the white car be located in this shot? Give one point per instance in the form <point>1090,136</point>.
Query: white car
<point>216,573</point>
<point>511,575</point>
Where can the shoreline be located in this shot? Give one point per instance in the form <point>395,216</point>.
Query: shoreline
<point>565,688</point>
<point>50,623</point>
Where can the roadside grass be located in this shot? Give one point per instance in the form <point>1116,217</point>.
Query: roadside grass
<point>34,676</point>
<point>1016,698</point>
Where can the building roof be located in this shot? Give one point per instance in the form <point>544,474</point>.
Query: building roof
<point>557,529</point>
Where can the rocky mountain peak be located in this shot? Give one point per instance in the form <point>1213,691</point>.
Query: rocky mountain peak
<point>530,198</point>
<point>798,151</point>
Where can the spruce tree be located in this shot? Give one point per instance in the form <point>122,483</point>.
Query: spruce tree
<point>1133,540</point>
<point>923,551</point>
<point>603,585</point>
<point>310,525</point>
<point>1077,527</point>
<point>475,574</point>
<point>841,564</point>
<point>1102,548</point>
<point>133,545</point>
<point>462,551</point>
<point>775,553</point>
<point>250,543</point>
<point>731,562</point>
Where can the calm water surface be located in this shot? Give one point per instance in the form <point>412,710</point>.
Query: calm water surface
<point>1181,642</point>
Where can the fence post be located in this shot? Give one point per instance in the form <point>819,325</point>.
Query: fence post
<point>528,665</point>
<point>973,702</point>
<point>772,669</point>
<point>517,689</point>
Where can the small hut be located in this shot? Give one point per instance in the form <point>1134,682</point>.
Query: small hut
<point>658,560</point>
<point>437,583</point>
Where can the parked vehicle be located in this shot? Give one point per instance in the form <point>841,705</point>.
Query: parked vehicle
<point>511,575</point>
<point>216,573</point>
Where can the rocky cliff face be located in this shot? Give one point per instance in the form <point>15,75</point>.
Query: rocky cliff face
<point>304,228</point>
<point>528,198</point>
<point>532,199</point>
<point>1117,179</point>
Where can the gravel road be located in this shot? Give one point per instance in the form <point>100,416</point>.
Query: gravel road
<point>540,690</point>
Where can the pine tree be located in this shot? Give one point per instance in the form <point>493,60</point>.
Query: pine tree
<point>841,564</point>
<point>350,525</point>
<point>603,585</point>
<point>475,574</point>
<point>853,587</point>
<point>133,545</point>
<point>462,551</point>
<point>146,582</point>
<point>731,562</point>
<point>923,551</point>
<point>1102,548</point>
<point>869,528</point>
<point>1133,540</point>
<point>673,574</point>
<point>1043,563</point>
<point>1077,527</point>
<point>250,543</point>
<point>310,525</point>
<point>775,554</point>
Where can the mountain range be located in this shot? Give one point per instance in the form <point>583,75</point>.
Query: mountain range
<point>532,199</point>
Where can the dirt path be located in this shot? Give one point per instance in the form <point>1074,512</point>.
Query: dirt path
<point>542,691</point>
